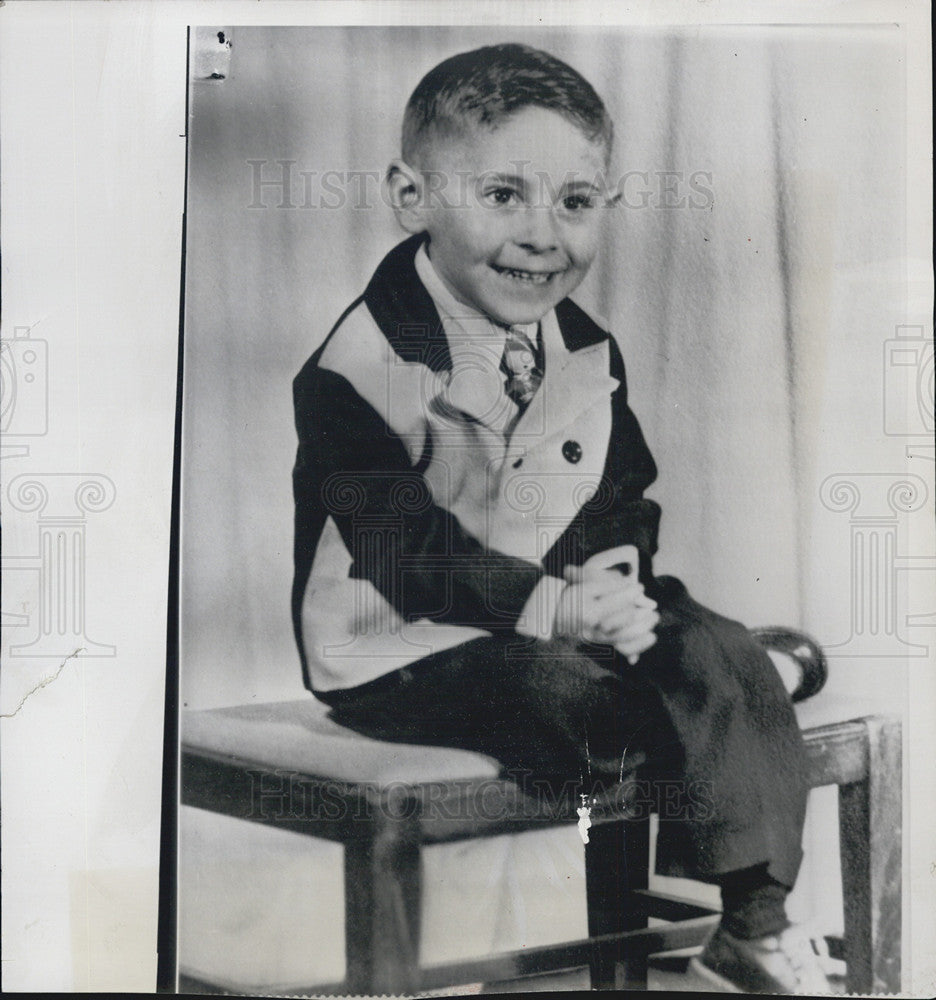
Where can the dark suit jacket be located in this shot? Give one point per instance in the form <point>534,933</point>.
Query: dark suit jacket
<point>417,526</point>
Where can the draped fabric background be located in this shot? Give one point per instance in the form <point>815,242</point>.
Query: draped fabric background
<point>751,275</point>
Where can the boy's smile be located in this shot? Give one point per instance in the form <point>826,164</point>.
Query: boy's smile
<point>513,213</point>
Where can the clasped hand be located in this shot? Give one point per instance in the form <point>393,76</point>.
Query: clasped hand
<point>602,605</point>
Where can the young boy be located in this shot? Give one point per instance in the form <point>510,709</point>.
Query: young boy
<point>470,480</point>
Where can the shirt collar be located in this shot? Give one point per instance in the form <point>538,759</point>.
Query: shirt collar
<point>451,309</point>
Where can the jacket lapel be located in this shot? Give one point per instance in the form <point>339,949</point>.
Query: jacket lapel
<point>576,349</point>
<point>575,378</point>
<point>404,310</point>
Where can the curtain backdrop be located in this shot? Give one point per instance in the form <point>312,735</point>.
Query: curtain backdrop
<point>752,276</point>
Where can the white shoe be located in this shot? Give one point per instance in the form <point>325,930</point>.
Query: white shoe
<point>779,963</point>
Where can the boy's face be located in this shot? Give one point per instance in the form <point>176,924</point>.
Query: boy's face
<point>517,223</point>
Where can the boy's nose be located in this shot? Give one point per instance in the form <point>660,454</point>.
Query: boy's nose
<point>537,233</point>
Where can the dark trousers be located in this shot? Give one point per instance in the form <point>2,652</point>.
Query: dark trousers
<point>705,706</point>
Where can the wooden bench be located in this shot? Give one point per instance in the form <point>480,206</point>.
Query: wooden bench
<point>288,765</point>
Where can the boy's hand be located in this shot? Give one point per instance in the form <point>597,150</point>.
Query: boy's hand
<point>602,605</point>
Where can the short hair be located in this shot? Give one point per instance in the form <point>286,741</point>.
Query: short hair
<point>488,85</point>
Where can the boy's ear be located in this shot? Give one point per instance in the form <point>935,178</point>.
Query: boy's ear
<point>405,189</point>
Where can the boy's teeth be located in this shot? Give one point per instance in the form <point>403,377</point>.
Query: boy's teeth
<point>535,279</point>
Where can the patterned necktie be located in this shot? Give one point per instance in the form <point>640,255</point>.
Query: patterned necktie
<point>520,365</point>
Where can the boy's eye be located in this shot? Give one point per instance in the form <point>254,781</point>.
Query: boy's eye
<point>576,202</point>
<point>503,196</point>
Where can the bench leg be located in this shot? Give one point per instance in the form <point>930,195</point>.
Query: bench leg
<point>382,908</point>
<point>617,859</point>
<point>870,831</point>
